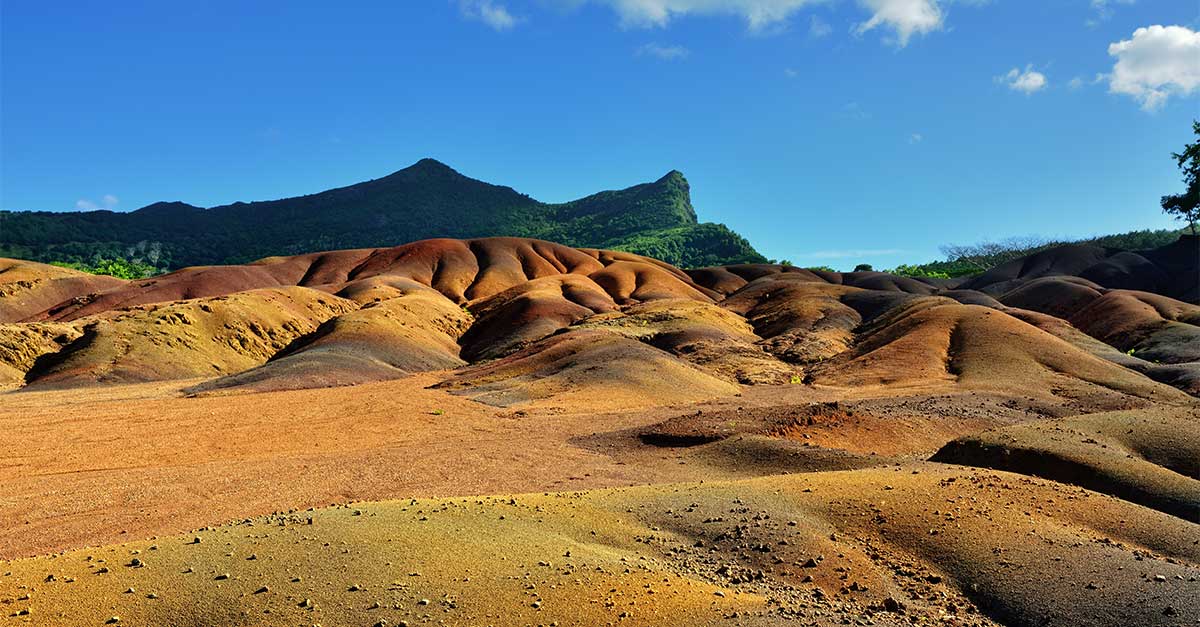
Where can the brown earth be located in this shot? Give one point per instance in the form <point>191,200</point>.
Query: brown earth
<point>738,445</point>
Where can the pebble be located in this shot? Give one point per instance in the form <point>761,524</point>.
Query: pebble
<point>222,577</point>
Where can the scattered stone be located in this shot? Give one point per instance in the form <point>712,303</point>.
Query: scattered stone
<point>222,577</point>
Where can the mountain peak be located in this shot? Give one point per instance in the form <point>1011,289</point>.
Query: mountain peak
<point>673,175</point>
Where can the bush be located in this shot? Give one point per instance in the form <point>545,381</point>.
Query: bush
<point>120,268</point>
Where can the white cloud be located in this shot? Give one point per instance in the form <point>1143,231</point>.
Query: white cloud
<point>1026,82</point>
<point>108,201</point>
<point>1075,83</point>
<point>490,13</point>
<point>758,14</point>
<point>1157,63</point>
<point>905,17</point>
<point>666,53</point>
<point>916,138</point>
<point>854,252</point>
<point>790,73</point>
<point>818,27</point>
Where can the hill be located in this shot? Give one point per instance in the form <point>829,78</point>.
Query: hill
<point>428,199</point>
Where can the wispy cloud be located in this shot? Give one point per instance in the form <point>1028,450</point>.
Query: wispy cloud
<point>666,53</point>
<point>853,252</point>
<point>1157,63</point>
<point>1102,10</point>
<point>901,19</point>
<point>491,13</point>
<point>108,201</point>
<point>1026,82</point>
<point>916,138</point>
<point>790,73</point>
<point>759,14</point>
<point>818,28</point>
<point>853,111</point>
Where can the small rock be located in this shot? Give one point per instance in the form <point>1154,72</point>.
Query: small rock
<point>1160,578</point>
<point>423,602</point>
<point>262,590</point>
<point>222,577</point>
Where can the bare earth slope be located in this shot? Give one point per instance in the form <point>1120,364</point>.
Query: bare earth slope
<point>751,444</point>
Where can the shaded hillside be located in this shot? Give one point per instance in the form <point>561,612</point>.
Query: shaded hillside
<point>425,200</point>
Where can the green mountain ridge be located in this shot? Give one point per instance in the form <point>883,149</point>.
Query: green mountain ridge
<point>428,199</point>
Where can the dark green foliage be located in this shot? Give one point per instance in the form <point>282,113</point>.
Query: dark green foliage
<point>691,246</point>
<point>825,268</point>
<point>1186,206</point>
<point>426,200</point>
<point>864,267</point>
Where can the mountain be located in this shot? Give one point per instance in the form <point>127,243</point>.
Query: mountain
<point>426,200</point>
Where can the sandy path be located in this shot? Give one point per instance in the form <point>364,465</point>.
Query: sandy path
<point>89,468</point>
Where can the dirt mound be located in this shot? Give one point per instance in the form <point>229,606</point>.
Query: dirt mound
<point>383,340</point>
<point>588,368</point>
<point>900,545</point>
<point>1058,296</point>
<point>708,336</point>
<point>1173,270</point>
<point>461,270</point>
<point>1145,456</point>
<point>1153,327</point>
<point>187,339</point>
<point>21,345</point>
<point>981,348</point>
<point>27,288</point>
<point>531,311</point>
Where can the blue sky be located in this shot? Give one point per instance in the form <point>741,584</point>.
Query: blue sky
<point>828,132</point>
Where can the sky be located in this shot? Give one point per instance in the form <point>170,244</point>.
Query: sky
<point>828,132</point>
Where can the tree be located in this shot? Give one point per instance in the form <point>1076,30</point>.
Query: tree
<point>864,267</point>
<point>1186,206</point>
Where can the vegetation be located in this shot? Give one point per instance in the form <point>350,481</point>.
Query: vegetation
<point>864,267</point>
<point>974,259</point>
<point>428,199</point>
<point>1186,206</point>
<point>120,268</point>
